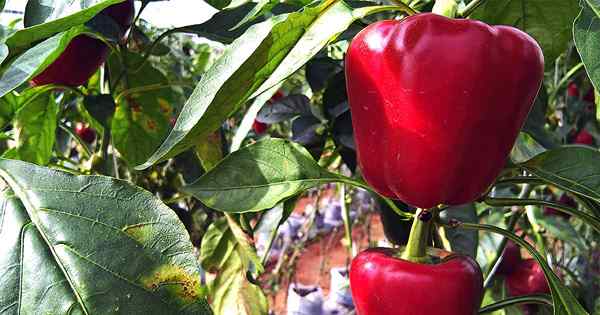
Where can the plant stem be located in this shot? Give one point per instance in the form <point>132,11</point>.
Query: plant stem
<point>525,299</point>
<point>587,218</point>
<point>416,248</point>
<point>448,8</point>
<point>512,223</point>
<point>346,219</point>
<point>563,81</point>
<point>470,8</point>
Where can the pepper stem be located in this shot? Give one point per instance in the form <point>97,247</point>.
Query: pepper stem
<point>448,8</point>
<point>418,240</point>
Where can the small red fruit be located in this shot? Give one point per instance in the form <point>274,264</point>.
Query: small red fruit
<point>590,96</point>
<point>527,278</point>
<point>584,137</point>
<point>564,199</point>
<point>511,257</point>
<point>573,90</point>
<point>84,54</point>
<point>383,284</point>
<point>259,128</point>
<point>277,96</point>
<point>84,132</point>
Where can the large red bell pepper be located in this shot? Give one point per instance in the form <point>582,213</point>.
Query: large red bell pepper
<point>437,104</point>
<point>84,54</point>
<point>383,284</point>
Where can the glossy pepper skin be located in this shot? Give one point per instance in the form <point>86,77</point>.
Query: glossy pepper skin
<point>437,104</point>
<point>84,54</point>
<point>382,284</point>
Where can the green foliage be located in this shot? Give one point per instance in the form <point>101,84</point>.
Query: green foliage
<point>92,244</point>
<point>548,21</point>
<point>586,31</point>
<point>259,176</point>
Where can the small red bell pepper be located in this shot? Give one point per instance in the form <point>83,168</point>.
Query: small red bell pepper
<point>84,132</point>
<point>383,284</point>
<point>527,278</point>
<point>565,200</point>
<point>584,137</point>
<point>437,104</point>
<point>511,257</point>
<point>84,54</point>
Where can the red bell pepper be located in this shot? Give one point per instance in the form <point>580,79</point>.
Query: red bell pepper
<point>511,257</point>
<point>383,284</point>
<point>84,54</point>
<point>84,132</point>
<point>527,278</point>
<point>584,137</point>
<point>437,104</point>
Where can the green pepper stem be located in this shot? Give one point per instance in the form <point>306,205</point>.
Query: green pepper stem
<point>448,8</point>
<point>416,248</point>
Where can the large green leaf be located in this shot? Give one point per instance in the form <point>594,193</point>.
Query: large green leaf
<point>548,21</point>
<point>144,107</point>
<point>572,168</point>
<point>91,245</point>
<point>586,31</point>
<point>259,176</point>
<point>231,292</point>
<point>267,53</point>
<point>35,60</point>
<point>24,38</point>
<point>35,129</point>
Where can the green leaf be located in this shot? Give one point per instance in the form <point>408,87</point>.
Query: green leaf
<point>586,32</point>
<point>35,60</point>
<point>144,107</point>
<point>462,241</point>
<point>218,4</point>
<point>26,37</point>
<point>38,11</point>
<point>266,54</point>
<point>561,229</point>
<point>572,168</point>
<point>101,108</point>
<point>11,103</point>
<point>525,148</point>
<point>250,116</point>
<point>536,121</point>
<point>259,176</point>
<point>92,245</point>
<point>35,129</point>
<point>231,292</point>
<point>548,21</point>
<point>3,52</point>
<point>221,27</point>
<point>210,150</point>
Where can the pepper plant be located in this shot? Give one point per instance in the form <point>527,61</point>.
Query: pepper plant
<point>138,165</point>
